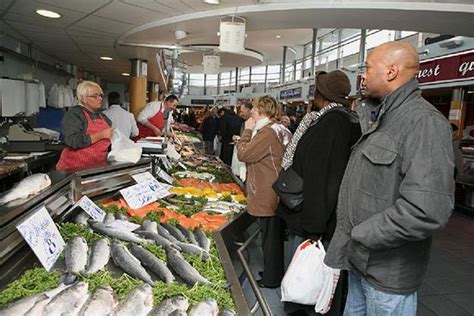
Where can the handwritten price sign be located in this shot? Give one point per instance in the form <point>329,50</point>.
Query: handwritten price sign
<point>91,208</point>
<point>43,237</point>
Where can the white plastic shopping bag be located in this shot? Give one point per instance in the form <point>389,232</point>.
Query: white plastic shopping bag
<point>308,280</point>
<point>238,167</point>
<point>123,149</point>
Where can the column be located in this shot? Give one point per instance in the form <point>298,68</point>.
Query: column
<point>339,52</point>
<point>137,85</point>
<point>457,111</point>
<point>153,91</point>
<point>237,79</point>
<point>266,79</point>
<point>283,65</point>
<point>313,50</point>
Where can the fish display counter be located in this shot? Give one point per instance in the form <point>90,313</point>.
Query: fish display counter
<point>163,257</point>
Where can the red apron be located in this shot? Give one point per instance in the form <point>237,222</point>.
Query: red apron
<point>158,120</point>
<point>90,156</point>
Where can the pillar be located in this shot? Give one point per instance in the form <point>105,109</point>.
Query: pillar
<point>153,91</point>
<point>137,85</point>
<point>313,50</point>
<point>457,110</point>
<point>283,65</point>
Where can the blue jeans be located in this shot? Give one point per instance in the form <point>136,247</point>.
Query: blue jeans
<point>364,299</point>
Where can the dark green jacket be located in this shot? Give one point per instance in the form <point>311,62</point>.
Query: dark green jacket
<point>398,189</point>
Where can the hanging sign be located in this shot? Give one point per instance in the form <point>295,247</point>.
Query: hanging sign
<point>43,237</point>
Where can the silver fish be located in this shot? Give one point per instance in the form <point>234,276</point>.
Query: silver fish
<point>121,216</point>
<point>165,233</point>
<point>99,256</point>
<point>150,226</point>
<point>128,263</point>
<point>101,228</point>
<point>23,305</point>
<point>26,187</point>
<point>167,306</point>
<point>188,234</point>
<point>137,303</point>
<point>68,302</point>
<point>109,218</point>
<point>176,233</point>
<point>75,255</point>
<point>227,312</point>
<point>178,312</point>
<point>158,239</point>
<point>102,302</point>
<point>38,308</point>
<point>153,263</point>
<point>202,239</point>
<point>205,308</point>
<point>193,250</point>
<point>81,218</point>
<point>182,268</point>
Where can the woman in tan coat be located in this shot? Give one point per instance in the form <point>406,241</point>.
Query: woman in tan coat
<point>262,151</point>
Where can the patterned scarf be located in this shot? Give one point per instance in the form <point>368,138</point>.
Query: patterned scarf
<point>308,120</point>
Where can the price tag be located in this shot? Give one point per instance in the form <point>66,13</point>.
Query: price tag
<point>163,175</point>
<point>160,189</point>
<point>43,237</point>
<point>139,195</point>
<point>166,162</point>
<point>91,208</point>
<point>143,177</point>
<point>182,166</point>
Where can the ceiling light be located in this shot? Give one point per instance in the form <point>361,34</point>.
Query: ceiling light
<point>212,1</point>
<point>106,58</point>
<point>180,34</point>
<point>49,14</point>
<point>277,36</point>
<point>126,74</point>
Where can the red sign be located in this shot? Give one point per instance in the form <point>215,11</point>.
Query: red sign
<point>455,67</point>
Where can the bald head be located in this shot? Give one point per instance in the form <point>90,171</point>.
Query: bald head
<point>389,66</point>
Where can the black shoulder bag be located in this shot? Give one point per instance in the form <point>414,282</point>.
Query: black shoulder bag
<point>289,187</point>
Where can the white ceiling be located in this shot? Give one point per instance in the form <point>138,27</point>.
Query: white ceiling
<point>89,29</point>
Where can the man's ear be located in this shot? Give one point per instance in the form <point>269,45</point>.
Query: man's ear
<point>392,72</point>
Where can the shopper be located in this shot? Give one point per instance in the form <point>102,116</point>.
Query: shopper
<point>238,167</point>
<point>262,151</point>
<point>229,125</point>
<point>208,130</point>
<point>319,152</point>
<point>153,118</point>
<point>121,119</point>
<point>86,130</point>
<point>397,190</point>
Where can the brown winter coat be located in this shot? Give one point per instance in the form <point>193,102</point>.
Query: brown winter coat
<point>263,155</point>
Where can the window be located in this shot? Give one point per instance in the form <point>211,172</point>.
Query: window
<point>211,81</point>
<point>196,80</point>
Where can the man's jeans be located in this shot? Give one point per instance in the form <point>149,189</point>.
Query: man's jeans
<point>363,299</point>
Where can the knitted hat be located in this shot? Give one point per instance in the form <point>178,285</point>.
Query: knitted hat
<point>333,86</point>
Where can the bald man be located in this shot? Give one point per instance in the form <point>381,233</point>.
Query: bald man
<point>398,188</point>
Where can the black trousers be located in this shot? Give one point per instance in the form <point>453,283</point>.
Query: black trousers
<point>273,250</point>
<point>226,153</point>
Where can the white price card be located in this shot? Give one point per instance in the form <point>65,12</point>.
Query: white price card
<point>43,237</point>
<point>139,195</point>
<point>163,175</point>
<point>91,208</point>
<point>143,177</point>
<point>166,162</point>
<point>160,189</point>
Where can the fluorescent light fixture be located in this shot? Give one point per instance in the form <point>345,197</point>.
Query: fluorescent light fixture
<point>106,58</point>
<point>126,74</point>
<point>49,14</point>
<point>277,36</point>
<point>212,1</point>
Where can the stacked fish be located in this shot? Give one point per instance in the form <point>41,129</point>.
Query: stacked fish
<point>75,300</point>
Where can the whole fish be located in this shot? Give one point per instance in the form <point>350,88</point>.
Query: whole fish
<point>193,250</point>
<point>182,268</point>
<point>81,218</point>
<point>227,312</point>
<point>38,308</point>
<point>153,263</point>
<point>109,218</point>
<point>202,239</point>
<point>176,233</point>
<point>178,312</point>
<point>205,308</point>
<point>102,302</point>
<point>121,216</point>
<point>137,303</point>
<point>75,255</point>
<point>103,229</point>
<point>188,234</point>
<point>26,187</point>
<point>158,239</point>
<point>128,263</point>
<point>99,256</point>
<point>69,301</point>
<point>149,226</point>
<point>167,306</point>
<point>165,233</point>
<point>23,305</point>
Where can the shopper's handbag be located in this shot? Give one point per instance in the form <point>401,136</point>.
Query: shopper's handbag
<point>289,187</point>
<point>308,280</point>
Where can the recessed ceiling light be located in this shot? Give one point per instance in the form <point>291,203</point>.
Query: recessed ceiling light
<point>106,58</point>
<point>277,36</point>
<point>126,74</point>
<point>212,1</point>
<point>49,14</point>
